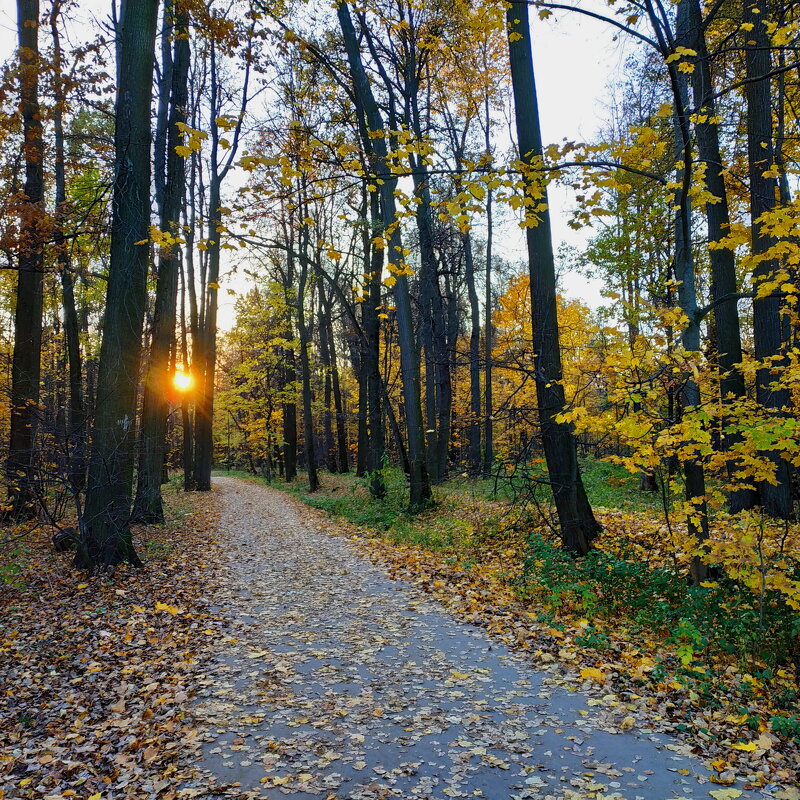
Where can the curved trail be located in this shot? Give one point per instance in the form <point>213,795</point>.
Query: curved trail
<point>339,682</point>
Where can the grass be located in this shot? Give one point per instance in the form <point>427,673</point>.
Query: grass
<point>467,514</point>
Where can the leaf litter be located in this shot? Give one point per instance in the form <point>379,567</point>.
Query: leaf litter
<point>335,682</point>
<point>97,672</point>
<point>262,655</point>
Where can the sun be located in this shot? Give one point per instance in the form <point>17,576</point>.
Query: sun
<point>182,381</point>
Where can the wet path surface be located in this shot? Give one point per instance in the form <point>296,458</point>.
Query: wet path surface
<point>339,682</point>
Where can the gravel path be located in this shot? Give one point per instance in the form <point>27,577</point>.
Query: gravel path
<point>338,682</point>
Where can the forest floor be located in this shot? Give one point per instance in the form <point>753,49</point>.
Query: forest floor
<point>268,651</point>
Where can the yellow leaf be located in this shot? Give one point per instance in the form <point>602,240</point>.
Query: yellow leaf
<point>182,150</point>
<point>596,675</point>
<point>747,747</point>
<point>627,724</point>
<point>83,585</point>
<point>725,794</point>
<point>477,191</point>
<point>213,285</point>
<point>166,607</point>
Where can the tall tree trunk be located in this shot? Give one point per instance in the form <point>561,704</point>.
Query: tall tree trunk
<point>488,435</point>
<point>338,404</point>
<point>26,363</point>
<point>474,457</point>
<point>767,334</point>
<point>576,520</point>
<point>76,424</point>
<point>420,491</point>
<point>148,507</point>
<point>357,360</point>
<point>206,363</point>
<point>370,322</point>
<point>727,334</point>
<point>446,348</point>
<point>438,392</point>
<point>693,473</point>
<point>106,536</point>
<point>207,357</point>
<point>331,462</point>
<point>289,418</point>
<point>305,369</point>
<point>186,417</point>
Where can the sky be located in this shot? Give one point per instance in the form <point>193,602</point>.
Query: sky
<point>576,59</point>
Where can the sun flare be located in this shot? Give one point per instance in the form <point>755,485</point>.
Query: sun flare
<point>182,381</point>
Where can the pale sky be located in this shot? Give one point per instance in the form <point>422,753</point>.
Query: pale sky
<point>576,61</point>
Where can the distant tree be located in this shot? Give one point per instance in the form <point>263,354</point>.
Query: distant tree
<point>373,136</point>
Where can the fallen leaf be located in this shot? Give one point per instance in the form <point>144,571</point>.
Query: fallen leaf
<point>595,674</point>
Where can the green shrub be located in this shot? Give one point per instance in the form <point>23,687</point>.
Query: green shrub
<point>722,617</point>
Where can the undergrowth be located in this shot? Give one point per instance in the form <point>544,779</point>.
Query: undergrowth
<point>706,627</point>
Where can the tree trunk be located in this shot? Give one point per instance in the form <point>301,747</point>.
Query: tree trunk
<point>338,405</point>
<point>26,363</point>
<point>305,370</point>
<point>204,412</point>
<point>420,491</point>
<point>148,507</point>
<point>289,418</point>
<point>727,334</point>
<point>693,473</point>
<point>474,427</point>
<point>767,334</point>
<point>106,538</point>
<point>576,520</point>
<point>331,463</point>
<point>371,363</point>
<point>357,360</point>
<point>488,436</point>
<point>76,424</point>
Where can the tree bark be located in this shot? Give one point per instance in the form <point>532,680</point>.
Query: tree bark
<point>26,362</point>
<point>338,404</point>
<point>474,427</point>
<point>106,536</point>
<point>148,507</point>
<point>305,369</point>
<point>420,491</point>
<point>576,520</point>
<point>370,322</point>
<point>331,462</point>
<point>776,500</point>
<point>693,472</point>
<point>76,423</point>
<point>726,330</point>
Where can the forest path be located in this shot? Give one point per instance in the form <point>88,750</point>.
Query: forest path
<point>338,682</point>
